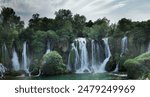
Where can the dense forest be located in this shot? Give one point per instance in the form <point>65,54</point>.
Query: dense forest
<point>61,31</point>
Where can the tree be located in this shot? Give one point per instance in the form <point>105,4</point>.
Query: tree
<point>78,24</point>
<point>63,14</point>
<point>99,29</point>
<point>89,23</point>
<point>43,24</point>
<point>125,24</point>
<point>53,64</point>
<point>11,24</point>
<point>102,21</point>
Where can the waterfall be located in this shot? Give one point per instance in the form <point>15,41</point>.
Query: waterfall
<point>93,57</point>
<point>124,44</point>
<point>86,61</point>
<point>5,55</point>
<point>24,58</point>
<point>74,48</point>
<point>83,56</point>
<point>149,47</point>
<point>124,49</point>
<point>48,47</point>
<point>2,70</point>
<point>15,61</point>
<point>95,53</point>
<point>79,50</point>
<point>107,54</point>
<point>117,67</point>
<point>4,47</point>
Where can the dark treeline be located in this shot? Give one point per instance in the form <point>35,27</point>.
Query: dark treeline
<point>66,26</point>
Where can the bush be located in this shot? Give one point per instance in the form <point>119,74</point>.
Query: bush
<point>138,68</point>
<point>52,64</point>
<point>34,69</point>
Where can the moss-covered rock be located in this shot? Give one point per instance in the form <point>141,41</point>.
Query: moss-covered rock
<point>52,64</point>
<point>138,67</point>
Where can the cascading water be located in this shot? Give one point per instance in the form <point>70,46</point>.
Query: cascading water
<point>2,70</point>
<point>83,56</point>
<point>24,58</point>
<point>82,64</point>
<point>149,47</point>
<point>48,47</point>
<point>74,48</point>
<point>124,44</point>
<point>4,47</point>
<point>95,61</point>
<point>107,54</point>
<point>93,57</point>
<point>15,61</point>
<point>124,49</point>
<point>5,55</point>
<point>117,68</point>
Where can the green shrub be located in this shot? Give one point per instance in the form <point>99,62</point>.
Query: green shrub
<point>52,64</point>
<point>138,67</point>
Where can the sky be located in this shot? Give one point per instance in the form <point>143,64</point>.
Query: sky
<point>114,10</point>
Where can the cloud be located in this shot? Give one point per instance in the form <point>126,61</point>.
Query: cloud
<point>92,9</point>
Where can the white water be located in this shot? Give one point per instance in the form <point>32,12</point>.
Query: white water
<point>4,53</point>
<point>82,62</point>
<point>124,49</point>
<point>108,55</point>
<point>117,68</point>
<point>48,48</point>
<point>5,48</point>
<point>76,58</point>
<point>124,44</point>
<point>24,58</point>
<point>93,57</point>
<point>149,47</point>
<point>95,62</point>
<point>83,56</point>
<point>2,70</point>
<point>15,61</point>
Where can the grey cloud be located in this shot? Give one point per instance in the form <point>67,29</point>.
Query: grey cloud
<point>92,9</point>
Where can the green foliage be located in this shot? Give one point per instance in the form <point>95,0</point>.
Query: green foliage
<point>35,66</point>
<point>125,24</point>
<point>52,64</point>
<point>89,23</point>
<point>43,24</point>
<point>139,59</point>
<point>10,25</point>
<point>78,25</point>
<point>39,40</point>
<point>97,31</point>
<point>63,14</point>
<point>66,32</point>
<point>137,67</point>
